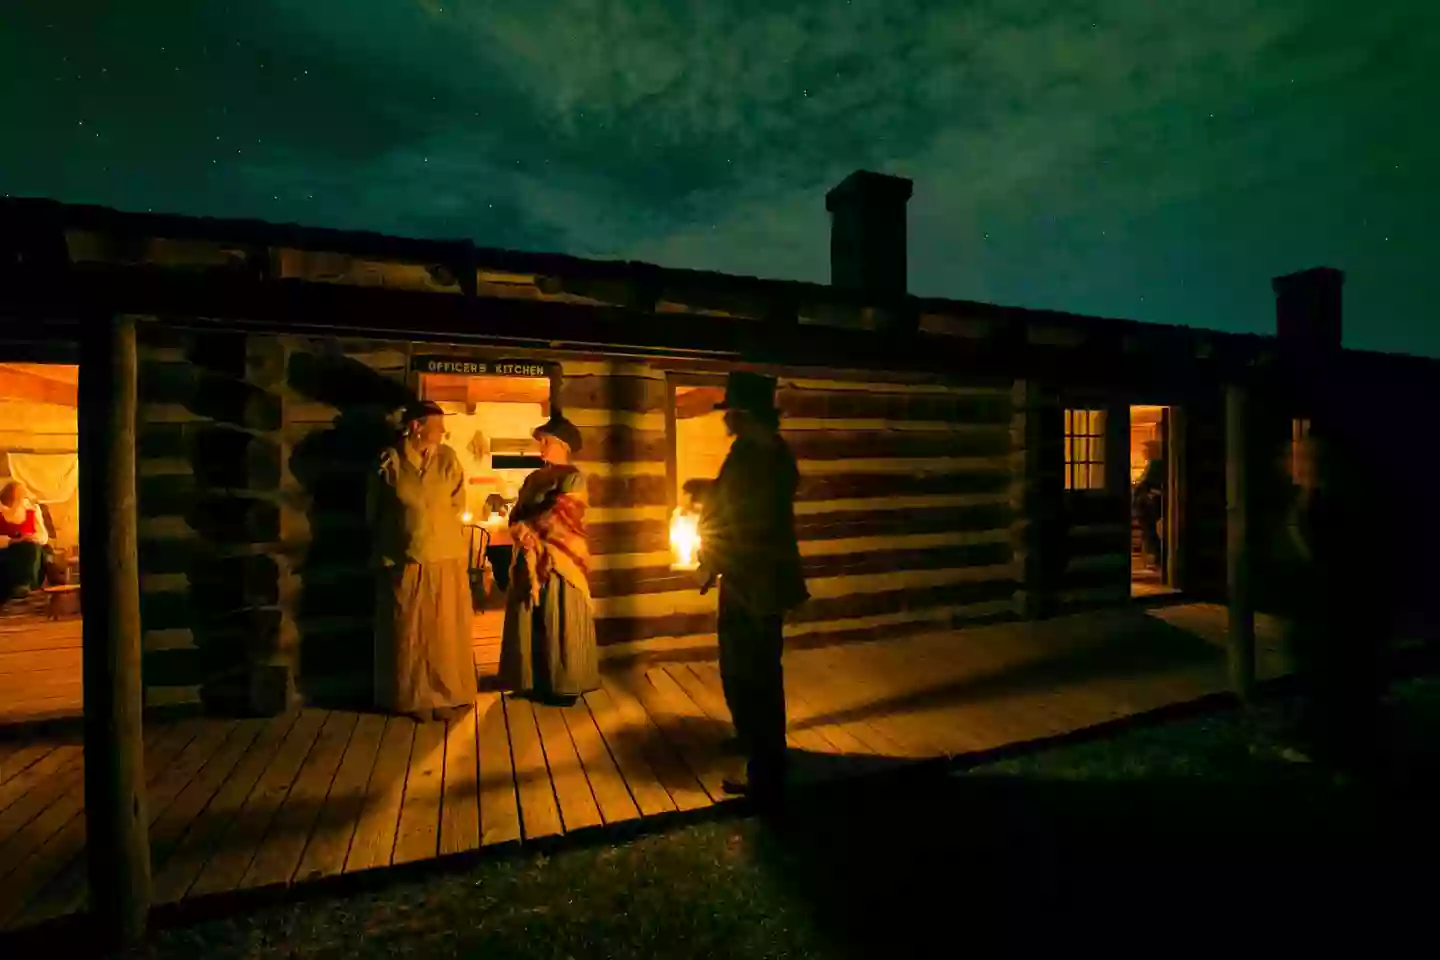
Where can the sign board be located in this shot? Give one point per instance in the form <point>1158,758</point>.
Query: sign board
<point>479,368</point>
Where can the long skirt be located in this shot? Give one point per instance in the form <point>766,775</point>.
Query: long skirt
<point>423,655</point>
<point>548,648</point>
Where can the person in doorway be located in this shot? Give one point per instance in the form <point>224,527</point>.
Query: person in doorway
<point>748,545</point>
<point>1148,504</point>
<point>424,666</point>
<point>23,541</point>
<point>547,648</point>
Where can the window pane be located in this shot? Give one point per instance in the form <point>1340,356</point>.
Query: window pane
<point>1084,449</point>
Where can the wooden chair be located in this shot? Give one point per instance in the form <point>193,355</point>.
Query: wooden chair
<point>481,586</point>
<point>58,595</point>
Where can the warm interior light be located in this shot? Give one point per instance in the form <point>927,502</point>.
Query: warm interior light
<point>684,540</point>
<point>466,517</point>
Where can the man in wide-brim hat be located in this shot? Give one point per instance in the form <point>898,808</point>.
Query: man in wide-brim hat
<point>424,666</point>
<point>748,542</point>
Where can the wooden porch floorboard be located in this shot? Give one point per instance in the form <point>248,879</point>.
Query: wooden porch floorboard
<point>316,793</point>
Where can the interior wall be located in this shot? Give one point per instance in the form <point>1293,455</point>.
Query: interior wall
<point>491,428</point>
<point>1144,426</point>
<point>701,444</point>
<point>45,429</point>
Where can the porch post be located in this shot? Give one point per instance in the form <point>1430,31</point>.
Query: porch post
<point>116,820</point>
<point>1241,634</point>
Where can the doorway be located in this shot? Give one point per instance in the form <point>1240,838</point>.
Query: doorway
<point>40,630</point>
<point>488,423</point>
<point>1154,501</point>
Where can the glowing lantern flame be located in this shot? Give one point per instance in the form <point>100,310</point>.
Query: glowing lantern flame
<point>684,540</point>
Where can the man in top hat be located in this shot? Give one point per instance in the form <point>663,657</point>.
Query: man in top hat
<point>747,535</point>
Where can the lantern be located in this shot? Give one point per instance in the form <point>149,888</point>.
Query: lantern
<point>684,540</point>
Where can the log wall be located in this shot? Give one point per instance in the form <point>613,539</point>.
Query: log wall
<point>904,509</point>
<point>208,485</point>
<point>342,401</point>
<point>1095,567</point>
<point>921,506</point>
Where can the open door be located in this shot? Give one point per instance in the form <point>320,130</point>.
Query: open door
<point>489,419</point>
<point>40,626</point>
<point>1155,500</point>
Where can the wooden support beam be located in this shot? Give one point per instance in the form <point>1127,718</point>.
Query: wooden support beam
<point>116,819</point>
<point>1241,645</point>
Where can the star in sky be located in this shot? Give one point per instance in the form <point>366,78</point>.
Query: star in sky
<point>1160,161</point>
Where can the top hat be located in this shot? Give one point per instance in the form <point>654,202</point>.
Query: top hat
<point>751,392</point>
<point>562,430</point>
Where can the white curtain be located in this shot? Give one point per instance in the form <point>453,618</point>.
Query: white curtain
<point>50,477</point>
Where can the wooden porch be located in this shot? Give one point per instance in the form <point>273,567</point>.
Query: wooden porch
<point>255,803</point>
<point>39,662</point>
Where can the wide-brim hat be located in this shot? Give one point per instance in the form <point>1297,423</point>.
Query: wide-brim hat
<point>421,409</point>
<point>562,430</point>
<point>750,392</point>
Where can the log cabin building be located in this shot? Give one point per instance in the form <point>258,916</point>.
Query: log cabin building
<point>961,462</point>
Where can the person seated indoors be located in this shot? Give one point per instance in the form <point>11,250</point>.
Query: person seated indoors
<point>23,539</point>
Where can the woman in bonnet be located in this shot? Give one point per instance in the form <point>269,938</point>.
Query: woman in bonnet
<point>548,645</point>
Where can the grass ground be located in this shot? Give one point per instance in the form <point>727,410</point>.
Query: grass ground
<point>1154,841</point>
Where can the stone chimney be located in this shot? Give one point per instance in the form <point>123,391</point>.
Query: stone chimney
<point>867,234</point>
<point>1307,311</point>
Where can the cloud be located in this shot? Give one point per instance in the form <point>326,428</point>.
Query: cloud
<point>1064,153</point>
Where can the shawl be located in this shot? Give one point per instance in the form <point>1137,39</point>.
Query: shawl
<point>551,539</point>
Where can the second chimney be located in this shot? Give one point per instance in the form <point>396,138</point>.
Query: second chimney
<point>867,234</point>
<point>1307,311</point>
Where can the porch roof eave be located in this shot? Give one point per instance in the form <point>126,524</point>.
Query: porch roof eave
<point>301,307</point>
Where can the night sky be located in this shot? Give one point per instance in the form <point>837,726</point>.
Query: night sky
<point>1153,159</point>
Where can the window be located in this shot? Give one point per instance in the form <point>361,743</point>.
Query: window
<point>1084,449</point>
<point>700,439</point>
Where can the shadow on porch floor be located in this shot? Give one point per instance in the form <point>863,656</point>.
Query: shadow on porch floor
<point>264,804</point>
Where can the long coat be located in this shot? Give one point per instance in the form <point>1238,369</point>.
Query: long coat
<point>747,527</point>
<point>423,649</point>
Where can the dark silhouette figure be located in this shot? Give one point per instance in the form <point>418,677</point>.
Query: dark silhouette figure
<point>334,466</point>
<point>1334,601</point>
<point>748,541</point>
